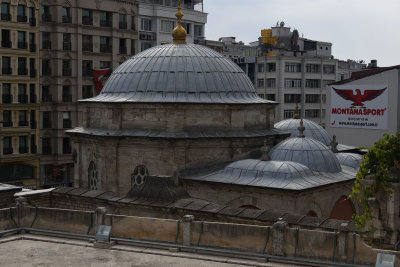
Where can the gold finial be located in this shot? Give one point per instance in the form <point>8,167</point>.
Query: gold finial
<point>297,113</point>
<point>179,33</point>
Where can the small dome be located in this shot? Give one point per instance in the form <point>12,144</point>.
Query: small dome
<point>310,152</point>
<point>349,159</point>
<point>179,73</point>
<point>313,130</point>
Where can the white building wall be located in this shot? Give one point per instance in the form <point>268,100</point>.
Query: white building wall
<point>367,137</point>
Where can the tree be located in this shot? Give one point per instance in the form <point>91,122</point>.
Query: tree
<point>381,163</point>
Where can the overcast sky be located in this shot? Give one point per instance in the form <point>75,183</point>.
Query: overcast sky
<point>358,29</point>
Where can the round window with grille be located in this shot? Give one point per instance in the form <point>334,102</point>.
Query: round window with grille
<point>93,182</point>
<point>139,175</point>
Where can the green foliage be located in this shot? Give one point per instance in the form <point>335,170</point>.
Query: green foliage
<point>382,162</point>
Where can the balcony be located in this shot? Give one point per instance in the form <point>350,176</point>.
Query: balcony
<point>123,25</point>
<point>105,23</point>
<point>67,72</point>
<point>47,98</point>
<point>23,123</point>
<point>6,44</point>
<point>33,125</point>
<point>7,70</point>
<point>105,48</point>
<point>66,19</point>
<point>33,149</point>
<point>46,17</point>
<point>7,99</point>
<point>67,46</point>
<point>87,47</point>
<point>46,150</point>
<point>23,99</point>
<point>7,150</point>
<point>32,22</point>
<point>67,124</point>
<point>67,98</point>
<point>122,50</point>
<point>46,72</point>
<point>87,72</point>
<point>67,150</point>
<point>6,17</point>
<point>87,20</point>
<point>22,71</point>
<point>47,124</point>
<point>32,99</point>
<point>22,18</point>
<point>32,47</point>
<point>46,44</point>
<point>22,45</point>
<point>32,73</point>
<point>7,123</point>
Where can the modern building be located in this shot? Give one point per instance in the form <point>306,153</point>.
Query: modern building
<point>157,20</point>
<point>19,85</point>
<point>363,122</point>
<point>76,37</point>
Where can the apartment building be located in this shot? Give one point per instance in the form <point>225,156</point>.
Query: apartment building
<point>19,86</point>
<point>76,37</point>
<point>157,20</point>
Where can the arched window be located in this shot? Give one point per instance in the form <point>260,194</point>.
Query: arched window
<point>343,209</point>
<point>312,213</point>
<point>92,175</point>
<point>138,177</point>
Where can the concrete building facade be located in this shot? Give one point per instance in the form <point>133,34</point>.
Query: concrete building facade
<point>76,37</point>
<point>19,85</point>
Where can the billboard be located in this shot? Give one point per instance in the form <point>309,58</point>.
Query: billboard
<point>359,106</point>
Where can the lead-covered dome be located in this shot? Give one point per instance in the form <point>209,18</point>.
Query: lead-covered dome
<point>183,73</point>
<point>307,151</point>
<point>312,129</point>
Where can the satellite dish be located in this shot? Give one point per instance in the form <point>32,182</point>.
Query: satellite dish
<point>282,24</point>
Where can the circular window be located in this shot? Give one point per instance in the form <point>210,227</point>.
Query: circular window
<point>92,176</point>
<point>139,175</point>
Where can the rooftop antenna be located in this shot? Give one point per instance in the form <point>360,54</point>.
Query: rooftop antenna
<point>179,33</point>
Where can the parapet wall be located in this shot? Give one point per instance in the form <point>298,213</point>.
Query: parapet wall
<point>276,240</point>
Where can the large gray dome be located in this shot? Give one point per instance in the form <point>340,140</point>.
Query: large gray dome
<point>307,151</point>
<point>183,73</point>
<point>312,129</point>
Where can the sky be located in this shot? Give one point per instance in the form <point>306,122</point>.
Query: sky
<point>358,29</point>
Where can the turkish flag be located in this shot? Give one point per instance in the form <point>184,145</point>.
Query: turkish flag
<point>98,76</point>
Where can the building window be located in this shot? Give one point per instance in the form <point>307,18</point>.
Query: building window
<point>46,41</point>
<point>87,68</point>
<point>122,21</point>
<point>66,15</point>
<point>67,41</point>
<point>22,118</point>
<point>66,67</point>
<point>271,67</point>
<point>312,113</point>
<point>87,18</point>
<point>46,119</point>
<point>133,23</point>
<point>7,145</point>
<point>133,50</point>
<point>67,120</point>
<point>22,70</point>
<point>46,69</point>
<point>6,65</point>
<point>5,39</point>
<point>22,96</point>
<point>32,43</point>
<point>32,19</point>
<point>292,98</point>
<point>313,83</point>
<point>271,83</point>
<point>105,19</point>
<point>67,145</point>
<point>329,69</point>
<point>260,83</point>
<point>198,30</point>
<point>323,99</point>
<point>87,43</point>
<point>186,26</point>
<point>313,99</point>
<point>46,146</point>
<point>46,96</point>
<point>105,45</point>
<point>145,24</point>
<point>6,94</point>
<point>66,93</point>
<point>313,68</point>
<point>87,91</point>
<point>292,67</point>
<point>122,46</point>
<point>21,14</point>
<point>92,176</point>
<point>271,97</point>
<point>105,64</point>
<point>46,16</point>
<point>260,67</point>
<point>23,146</point>
<point>7,119</point>
<point>167,26</point>
<point>326,83</point>
<point>292,83</point>
<point>5,11</point>
<point>289,114</point>
<point>22,40</point>
<point>139,175</point>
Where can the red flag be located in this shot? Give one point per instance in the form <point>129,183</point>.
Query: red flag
<point>99,76</point>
